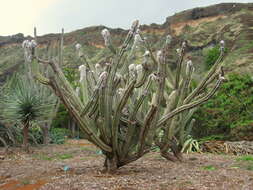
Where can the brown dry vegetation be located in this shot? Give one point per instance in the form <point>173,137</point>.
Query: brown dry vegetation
<point>178,27</point>
<point>44,170</point>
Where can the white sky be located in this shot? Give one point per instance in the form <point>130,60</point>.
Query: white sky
<point>49,16</point>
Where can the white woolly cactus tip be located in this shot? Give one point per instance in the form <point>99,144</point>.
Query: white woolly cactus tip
<point>147,53</point>
<point>138,31</point>
<point>118,75</point>
<point>97,66</point>
<point>139,68</point>
<point>184,44</point>
<point>105,32</point>
<point>131,68</point>
<point>33,44</point>
<point>153,77</point>
<point>168,39</point>
<point>82,70</point>
<point>159,53</point>
<point>25,44</point>
<point>106,35</point>
<point>189,66</point>
<point>78,46</point>
<point>103,75</point>
<point>120,91</point>
<point>159,56</point>
<point>135,25</point>
<point>221,77</point>
<point>222,45</point>
<point>137,39</point>
<point>77,90</point>
<point>189,62</point>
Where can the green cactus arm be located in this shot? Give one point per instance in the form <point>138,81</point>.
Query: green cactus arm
<point>190,105</point>
<point>92,100</point>
<point>60,76</point>
<point>132,117</point>
<point>146,126</point>
<point>183,130</point>
<point>105,132</point>
<point>72,99</point>
<point>148,47</point>
<point>89,66</point>
<point>84,91</point>
<point>110,80</point>
<point>37,75</point>
<point>117,114</point>
<point>94,109</point>
<point>159,95</point>
<point>142,79</point>
<point>170,77</point>
<point>203,83</point>
<point>184,89</point>
<point>179,67</point>
<point>61,47</point>
<point>93,138</point>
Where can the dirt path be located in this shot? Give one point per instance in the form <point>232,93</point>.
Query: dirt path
<point>76,165</point>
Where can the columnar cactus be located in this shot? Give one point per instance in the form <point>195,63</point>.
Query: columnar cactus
<point>123,107</point>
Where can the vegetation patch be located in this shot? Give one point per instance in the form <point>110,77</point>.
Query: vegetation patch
<point>209,168</point>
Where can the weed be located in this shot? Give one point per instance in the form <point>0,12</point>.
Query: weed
<point>209,168</point>
<point>245,158</point>
<point>25,182</point>
<point>64,156</point>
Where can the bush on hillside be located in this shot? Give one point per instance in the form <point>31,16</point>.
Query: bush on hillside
<point>231,108</point>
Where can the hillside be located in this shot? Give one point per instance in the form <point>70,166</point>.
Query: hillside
<point>201,27</point>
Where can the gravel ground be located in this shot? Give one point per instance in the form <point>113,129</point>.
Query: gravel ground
<point>77,165</point>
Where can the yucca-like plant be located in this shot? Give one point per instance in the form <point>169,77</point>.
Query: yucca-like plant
<point>24,103</point>
<point>121,106</point>
<point>190,145</point>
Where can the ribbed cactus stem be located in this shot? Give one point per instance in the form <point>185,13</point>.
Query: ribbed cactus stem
<point>76,115</point>
<point>117,114</point>
<point>184,125</point>
<point>203,83</point>
<point>132,116</point>
<point>190,105</point>
<point>179,66</point>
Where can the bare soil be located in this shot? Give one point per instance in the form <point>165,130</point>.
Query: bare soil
<point>77,165</point>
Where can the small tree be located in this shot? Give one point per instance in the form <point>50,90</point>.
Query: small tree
<point>25,103</point>
<point>122,107</point>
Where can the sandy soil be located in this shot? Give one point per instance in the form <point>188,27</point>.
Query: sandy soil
<point>77,165</point>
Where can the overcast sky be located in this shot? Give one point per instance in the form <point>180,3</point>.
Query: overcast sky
<point>49,16</point>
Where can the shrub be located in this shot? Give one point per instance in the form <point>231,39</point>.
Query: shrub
<point>211,56</point>
<point>59,135</point>
<point>229,109</point>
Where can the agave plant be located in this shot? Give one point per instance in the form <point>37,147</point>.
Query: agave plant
<point>122,106</point>
<point>24,102</point>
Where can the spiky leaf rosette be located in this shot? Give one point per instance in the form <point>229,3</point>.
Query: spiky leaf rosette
<point>25,101</point>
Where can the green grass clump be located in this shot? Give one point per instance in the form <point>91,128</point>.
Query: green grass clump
<point>64,156</point>
<point>53,157</point>
<point>245,158</point>
<point>246,162</point>
<point>209,168</point>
